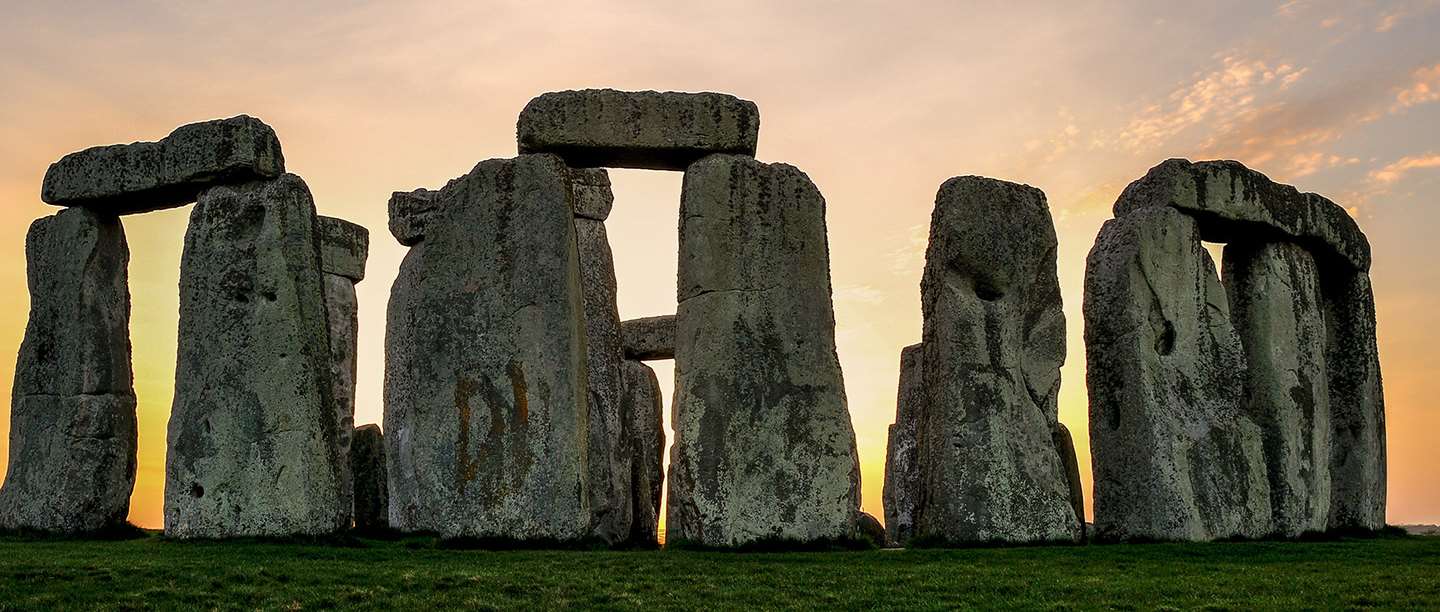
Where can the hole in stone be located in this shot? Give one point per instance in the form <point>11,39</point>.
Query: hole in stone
<point>197,491</point>
<point>1165,343</point>
<point>269,295</point>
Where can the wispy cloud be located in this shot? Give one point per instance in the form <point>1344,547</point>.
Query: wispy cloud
<point>1397,170</point>
<point>1396,15</point>
<point>1424,87</point>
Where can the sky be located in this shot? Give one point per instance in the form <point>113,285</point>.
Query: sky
<point>878,102</point>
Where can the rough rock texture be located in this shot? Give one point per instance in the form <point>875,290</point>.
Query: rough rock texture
<point>145,176</point>
<point>608,463</point>
<point>252,439</point>
<point>343,248</point>
<point>410,213</point>
<point>72,419</point>
<point>1065,445</point>
<point>645,432</point>
<point>870,528</point>
<point>637,129</point>
<point>1174,455</point>
<point>902,469</point>
<point>1233,202</point>
<point>367,464</point>
<point>994,341</point>
<point>1357,404</point>
<point>1275,304</point>
<point>764,448</point>
<point>486,410</point>
<point>593,197</point>
<point>649,338</point>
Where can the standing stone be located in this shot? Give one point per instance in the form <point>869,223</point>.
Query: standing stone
<point>645,420</point>
<point>649,338</point>
<point>486,408</point>
<point>994,341</point>
<point>343,249</point>
<point>637,129</point>
<point>1175,456</point>
<point>252,439</point>
<point>1275,303</point>
<point>1357,404</point>
<point>764,448</point>
<point>367,464</point>
<point>146,176</point>
<point>593,196</point>
<point>902,469</point>
<point>1065,445</point>
<point>72,419</point>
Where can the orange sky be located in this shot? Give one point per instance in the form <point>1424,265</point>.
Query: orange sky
<point>878,104</point>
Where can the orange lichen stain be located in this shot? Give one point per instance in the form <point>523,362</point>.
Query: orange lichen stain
<point>517,386</point>
<point>465,467</point>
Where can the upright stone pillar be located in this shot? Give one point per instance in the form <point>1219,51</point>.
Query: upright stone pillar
<point>902,468</point>
<point>764,448</point>
<point>645,426</point>
<point>1357,403</point>
<point>486,401</point>
<point>72,418</point>
<point>343,249</point>
<point>367,465</point>
<point>252,438</point>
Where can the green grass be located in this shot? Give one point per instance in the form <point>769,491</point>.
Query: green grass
<point>1395,572</point>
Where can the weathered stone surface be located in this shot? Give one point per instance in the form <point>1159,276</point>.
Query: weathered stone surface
<point>637,129</point>
<point>72,419</point>
<point>645,432</point>
<point>593,197</point>
<point>902,469</point>
<point>1275,304</point>
<point>486,404</point>
<point>994,341</point>
<point>145,176</point>
<point>1175,456</point>
<point>410,213</point>
<point>367,465</point>
<point>1065,445</point>
<point>252,437</point>
<point>649,338</point>
<point>343,317</point>
<point>764,448</point>
<point>608,462</point>
<point>1357,403</point>
<point>343,248</point>
<point>870,528</point>
<point>1233,202</point>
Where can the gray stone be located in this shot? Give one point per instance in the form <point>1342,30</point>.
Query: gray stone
<point>1357,403</point>
<point>1065,445</point>
<point>410,213</point>
<point>486,404</point>
<point>367,465</point>
<point>608,464</point>
<point>145,176</point>
<point>593,197</point>
<point>343,317</point>
<point>637,129</point>
<point>1175,457</point>
<point>994,341</point>
<point>252,439</point>
<point>645,432</point>
<point>764,448</point>
<point>902,468</point>
<point>649,338</point>
<point>343,248</point>
<point>870,528</point>
<point>1275,304</point>
<point>1232,202</point>
<point>72,420</point>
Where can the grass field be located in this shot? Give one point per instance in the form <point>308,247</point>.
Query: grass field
<point>1395,572</point>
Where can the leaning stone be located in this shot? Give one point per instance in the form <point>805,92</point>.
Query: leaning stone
<point>343,248</point>
<point>593,197</point>
<point>485,396</point>
<point>649,338</point>
<point>764,449</point>
<point>993,346</point>
<point>1232,202</point>
<point>145,176</point>
<point>902,477</point>
<point>645,429</point>
<point>410,213</point>
<point>608,464</point>
<point>870,528</point>
<point>72,422</point>
<point>637,129</point>
<point>1175,456</point>
<point>1357,404</point>
<point>1275,303</point>
<point>252,439</point>
<point>1065,445</point>
<point>367,464</point>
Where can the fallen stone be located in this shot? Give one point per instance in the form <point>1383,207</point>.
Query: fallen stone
<point>1357,404</point>
<point>764,449</point>
<point>252,439</point>
<point>870,528</point>
<point>72,422</point>
<point>486,404</point>
<point>1175,457</point>
<point>367,464</point>
<point>146,176</point>
<point>593,197</point>
<point>993,346</point>
<point>410,213</point>
<point>645,428</point>
<point>1065,445</point>
<point>649,338</point>
<point>902,469</point>
<point>608,462</point>
<point>1232,202</point>
<point>343,248</point>
<point>1275,304</point>
<point>637,129</point>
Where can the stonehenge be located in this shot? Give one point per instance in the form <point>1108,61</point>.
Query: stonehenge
<point>645,427</point>
<point>902,475</point>
<point>649,338</point>
<point>367,467</point>
<point>343,249</point>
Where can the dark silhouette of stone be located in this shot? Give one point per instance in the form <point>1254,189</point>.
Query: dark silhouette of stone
<point>902,469</point>
<point>870,528</point>
<point>1065,445</point>
<point>344,247</point>
<point>649,338</point>
<point>645,429</point>
<point>146,176</point>
<point>367,464</point>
